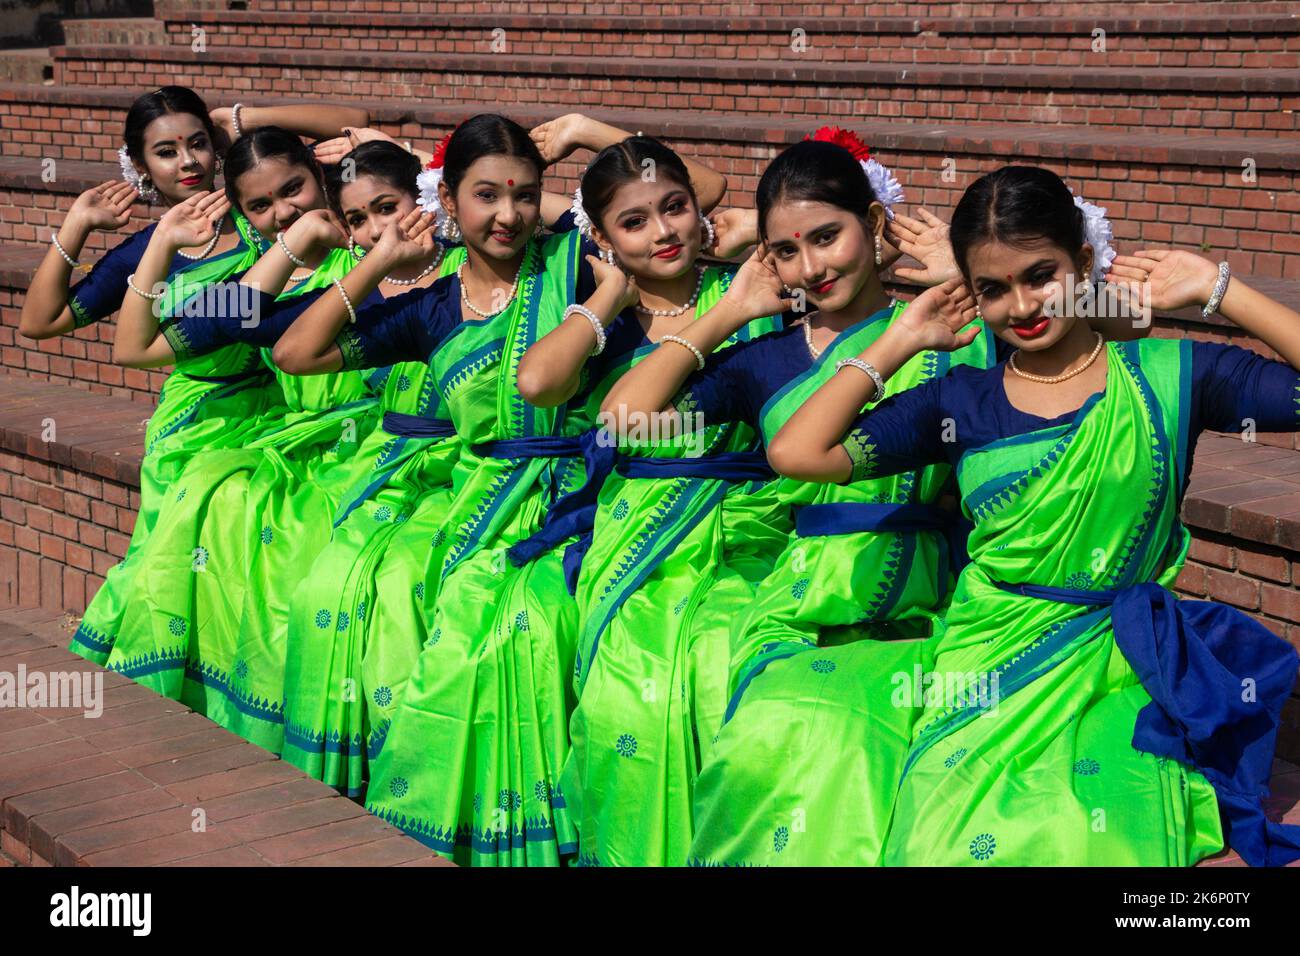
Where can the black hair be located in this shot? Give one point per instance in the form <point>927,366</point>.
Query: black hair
<point>623,163</point>
<point>487,134</point>
<point>161,102</point>
<point>814,171</point>
<point>378,158</point>
<point>267,142</point>
<point>1016,205</point>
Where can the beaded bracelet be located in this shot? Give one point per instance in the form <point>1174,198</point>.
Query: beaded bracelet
<point>699,356</point>
<point>870,370</point>
<point>234,119</point>
<point>279,238</point>
<point>1220,287</point>
<point>130,282</point>
<point>595,325</point>
<point>347,301</point>
<point>54,238</point>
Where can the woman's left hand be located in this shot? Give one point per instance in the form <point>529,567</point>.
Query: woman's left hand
<point>925,240</point>
<point>194,221</point>
<point>1173,278</point>
<point>615,278</point>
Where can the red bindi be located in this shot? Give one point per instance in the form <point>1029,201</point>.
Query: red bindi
<point>510,182</point>
<point>796,235</point>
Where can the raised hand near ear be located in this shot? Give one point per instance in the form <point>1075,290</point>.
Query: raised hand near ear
<point>194,221</point>
<point>937,317</point>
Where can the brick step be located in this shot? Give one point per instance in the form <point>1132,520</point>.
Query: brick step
<point>1187,189</point>
<point>1263,102</point>
<point>124,784</point>
<point>1235,41</point>
<point>126,30</point>
<point>34,65</point>
<point>807,9</point>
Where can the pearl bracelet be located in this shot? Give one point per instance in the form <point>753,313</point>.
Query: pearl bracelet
<point>699,356</point>
<point>130,282</point>
<point>595,325</point>
<point>54,238</point>
<point>347,301</point>
<point>279,238</point>
<point>870,370</point>
<point>234,119</point>
<point>1220,287</point>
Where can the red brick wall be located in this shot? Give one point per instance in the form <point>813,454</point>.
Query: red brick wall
<point>61,529</point>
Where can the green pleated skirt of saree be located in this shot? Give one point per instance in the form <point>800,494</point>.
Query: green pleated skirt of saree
<point>1005,739</point>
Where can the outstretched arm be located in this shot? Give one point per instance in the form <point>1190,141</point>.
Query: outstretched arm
<point>308,346</point>
<point>649,387</point>
<point>1175,279</point>
<point>46,312</point>
<point>551,371</point>
<point>808,447</point>
<point>558,138</point>
<point>313,120</point>
<point>137,342</point>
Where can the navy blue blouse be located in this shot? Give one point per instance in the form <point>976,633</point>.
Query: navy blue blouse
<point>100,293</point>
<point>737,382</point>
<point>1229,384</point>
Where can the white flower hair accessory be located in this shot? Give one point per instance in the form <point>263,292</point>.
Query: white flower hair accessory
<point>132,176</point>
<point>884,185</point>
<point>581,221</point>
<point>1097,233</point>
<point>883,182</point>
<point>427,183</point>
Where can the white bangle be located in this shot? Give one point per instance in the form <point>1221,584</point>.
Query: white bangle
<point>130,281</point>
<point>234,119</point>
<point>279,238</point>
<point>699,356</point>
<point>595,325</point>
<point>347,301</point>
<point>870,370</point>
<point>1220,287</point>
<point>54,238</point>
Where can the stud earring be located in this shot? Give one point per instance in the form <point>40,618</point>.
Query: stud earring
<point>879,257</point>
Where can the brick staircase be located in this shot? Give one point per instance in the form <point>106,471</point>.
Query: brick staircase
<point>1184,124</point>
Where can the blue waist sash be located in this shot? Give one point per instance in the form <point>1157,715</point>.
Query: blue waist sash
<point>724,466</point>
<point>574,514</point>
<point>417,426</point>
<point>847,517</point>
<point>1196,659</point>
<point>256,372</point>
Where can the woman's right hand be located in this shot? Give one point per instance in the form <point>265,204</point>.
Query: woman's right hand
<point>194,221</point>
<point>734,230</point>
<point>559,137</point>
<point>755,290</point>
<point>315,229</point>
<point>104,207</point>
<point>334,150</point>
<point>934,320</point>
<point>406,241</point>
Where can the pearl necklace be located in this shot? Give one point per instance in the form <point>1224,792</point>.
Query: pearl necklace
<point>1053,379</point>
<point>690,303</point>
<point>206,249</point>
<point>807,336</point>
<point>429,268</point>
<point>514,286</point>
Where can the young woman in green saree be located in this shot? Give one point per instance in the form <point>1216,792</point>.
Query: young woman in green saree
<point>374,581</point>
<point>206,623</point>
<point>884,573</point>
<point>483,716</point>
<point>172,145</point>
<point>659,543</point>
<point>1072,710</point>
